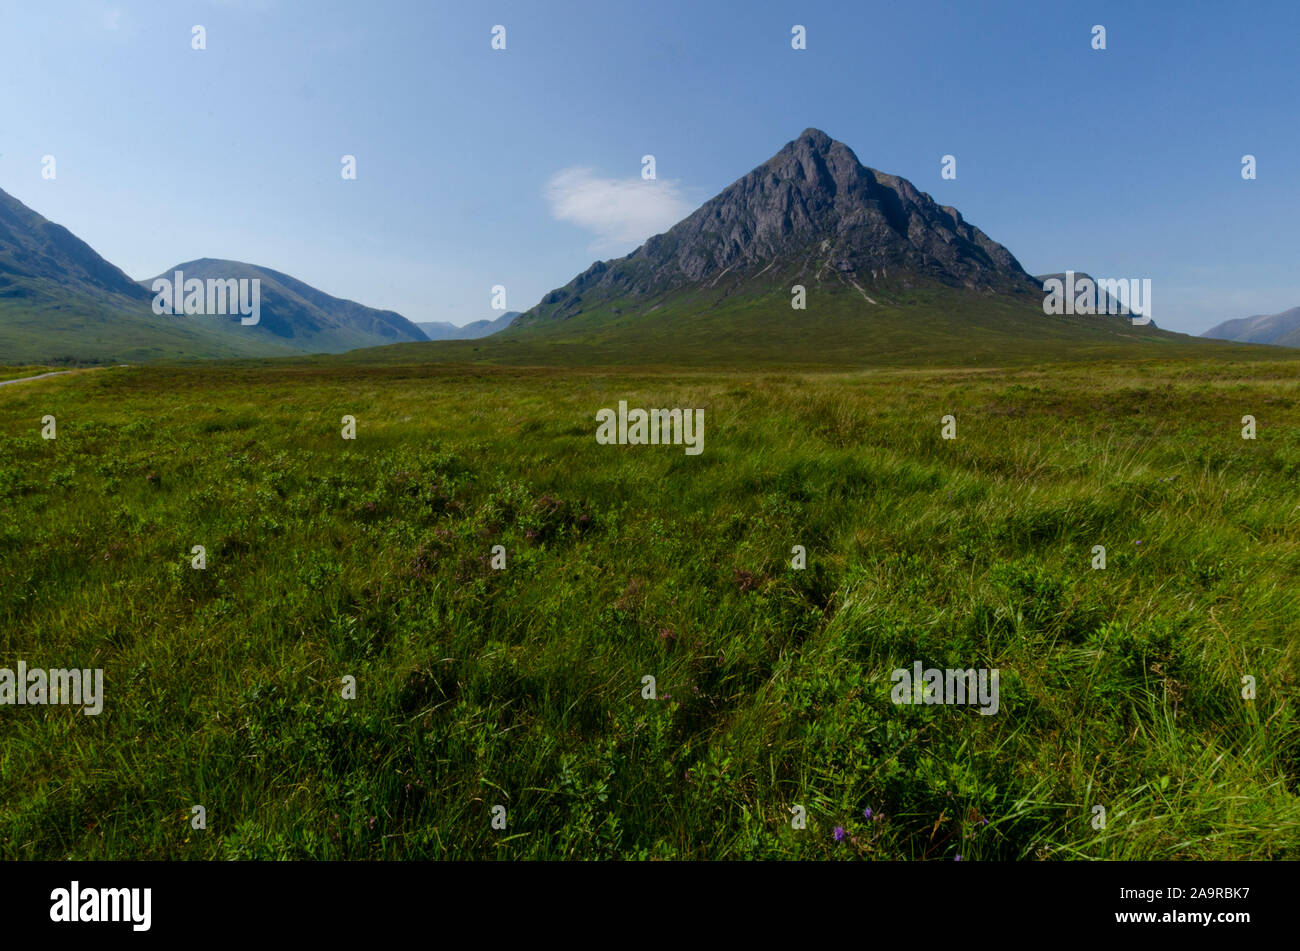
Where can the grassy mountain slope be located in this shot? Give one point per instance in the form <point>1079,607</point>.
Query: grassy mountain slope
<point>930,326</point>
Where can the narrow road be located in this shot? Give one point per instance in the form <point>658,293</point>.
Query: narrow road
<point>41,376</point>
<point>24,379</point>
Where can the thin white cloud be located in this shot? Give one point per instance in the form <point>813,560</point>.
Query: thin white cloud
<point>621,212</point>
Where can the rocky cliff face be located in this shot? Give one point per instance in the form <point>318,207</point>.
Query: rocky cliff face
<point>813,209</point>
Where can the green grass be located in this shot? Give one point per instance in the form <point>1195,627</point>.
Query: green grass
<point>522,687</point>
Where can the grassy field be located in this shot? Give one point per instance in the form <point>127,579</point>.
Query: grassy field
<point>522,687</point>
<point>43,328</point>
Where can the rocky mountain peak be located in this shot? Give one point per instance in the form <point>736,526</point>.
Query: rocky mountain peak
<point>814,211</point>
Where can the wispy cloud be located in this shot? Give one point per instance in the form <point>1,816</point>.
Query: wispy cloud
<point>621,212</point>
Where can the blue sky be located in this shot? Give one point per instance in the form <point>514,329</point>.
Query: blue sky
<point>520,167</point>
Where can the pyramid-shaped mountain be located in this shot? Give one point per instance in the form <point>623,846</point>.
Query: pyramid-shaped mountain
<point>811,214</point>
<point>885,275</point>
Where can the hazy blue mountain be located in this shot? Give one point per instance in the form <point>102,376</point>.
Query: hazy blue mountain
<point>441,330</point>
<point>1282,330</point>
<point>298,315</point>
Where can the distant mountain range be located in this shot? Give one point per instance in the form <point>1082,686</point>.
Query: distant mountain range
<point>442,330</point>
<point>60,302</point>
<point>1282,330</point>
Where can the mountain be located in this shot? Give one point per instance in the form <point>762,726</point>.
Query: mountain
<point>298,315</point>
<point>442,330</point>
<point>812,214</point>
<point>890,277</point>
<point>60,302</point>
<point>1282,330</point>
<point>36,254</point>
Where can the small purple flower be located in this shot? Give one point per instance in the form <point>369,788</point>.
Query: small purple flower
<point>866,813</point>
<point>958,858</point>
<point>838,833</point>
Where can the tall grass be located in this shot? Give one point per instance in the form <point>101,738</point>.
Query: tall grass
<point>329,558</point>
